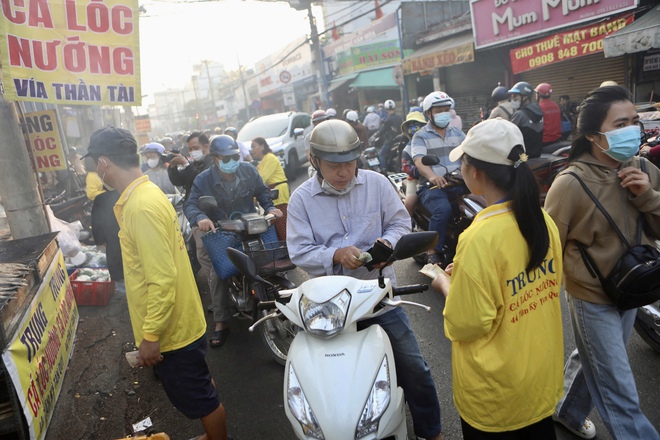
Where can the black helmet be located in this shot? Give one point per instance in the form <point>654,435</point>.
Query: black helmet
<point>522,88</point>
<point>500,93</point>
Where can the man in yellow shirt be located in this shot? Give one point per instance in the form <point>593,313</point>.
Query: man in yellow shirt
<point>166,312</point>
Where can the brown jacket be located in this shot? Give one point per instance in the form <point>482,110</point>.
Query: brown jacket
<point>362,134</point>
<point>578,219</point>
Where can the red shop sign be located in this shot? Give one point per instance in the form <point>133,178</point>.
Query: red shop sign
<point>566,45</point>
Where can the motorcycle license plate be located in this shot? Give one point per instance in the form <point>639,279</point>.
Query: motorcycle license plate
<point>373,161</point>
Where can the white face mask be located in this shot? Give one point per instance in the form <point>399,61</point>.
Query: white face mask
<point>515,105</point>
<point>105,185</point>
<point>196,154</point>
<point>337,192</point>
<point>153,163</point>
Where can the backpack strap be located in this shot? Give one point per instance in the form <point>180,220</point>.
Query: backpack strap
<point>505,111</point>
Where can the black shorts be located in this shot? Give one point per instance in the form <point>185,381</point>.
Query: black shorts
<point>187,381</point>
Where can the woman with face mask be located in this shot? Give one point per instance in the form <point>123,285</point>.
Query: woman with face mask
<point>603,155</point>
<point>153,157</point>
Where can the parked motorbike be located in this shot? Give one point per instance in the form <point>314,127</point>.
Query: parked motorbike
<point>253,298</point>
<point>647,324</point>
<point>340,382</point>
<point>369,160</point>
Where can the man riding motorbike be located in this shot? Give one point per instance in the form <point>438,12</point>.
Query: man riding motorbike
<point>528,117</point>
<point>437,138</point>
<point>388,130</point>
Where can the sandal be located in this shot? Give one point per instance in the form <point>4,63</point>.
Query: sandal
<point>219,337</point>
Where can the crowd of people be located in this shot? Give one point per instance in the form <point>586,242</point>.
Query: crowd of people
<point>509,376</point>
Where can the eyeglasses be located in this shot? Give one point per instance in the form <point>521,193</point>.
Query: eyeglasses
<point>227,159</point>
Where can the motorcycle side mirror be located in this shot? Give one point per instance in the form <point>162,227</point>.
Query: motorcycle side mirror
<point>243,263</point>
<point>274,193</point>
<point>208,204</point>
<point>430,160</point>
<point>408,246</point>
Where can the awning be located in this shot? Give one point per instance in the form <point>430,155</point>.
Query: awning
<point>376,79</point>
<point>340,81</point>
<point>456,50</point>
<point>642,35</point>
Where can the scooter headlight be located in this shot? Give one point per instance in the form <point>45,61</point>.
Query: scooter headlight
<point>377,402</point>
<point>300,408</point>
<point>325,319</point>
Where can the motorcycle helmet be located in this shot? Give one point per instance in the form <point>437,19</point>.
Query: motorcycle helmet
<point>223,145</point>
<point>318,116</point>
<point>371,109</point>
<point>414,121</point>
<point>389,105</point>
<point>500,93</point>
<point>522,88</point>
<point>344,113</point>
<point>437,99</point>
<point>544,90</point>
<point>331,113</point>
<point>334,141</point>
<point>152,147</point>
<point>231,131</point>
<point>352,116</point>
<point>416,109</point>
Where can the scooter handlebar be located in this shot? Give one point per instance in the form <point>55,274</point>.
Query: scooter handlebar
<point>409,290</point>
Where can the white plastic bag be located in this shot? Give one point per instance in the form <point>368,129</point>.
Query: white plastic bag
<point>67,237</point>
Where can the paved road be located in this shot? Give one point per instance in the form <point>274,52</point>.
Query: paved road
<point>251,383</point>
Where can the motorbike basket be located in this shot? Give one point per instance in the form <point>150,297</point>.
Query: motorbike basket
<point>270,258</point>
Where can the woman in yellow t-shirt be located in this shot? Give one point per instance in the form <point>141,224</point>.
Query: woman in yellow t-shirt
<point>272,173</point>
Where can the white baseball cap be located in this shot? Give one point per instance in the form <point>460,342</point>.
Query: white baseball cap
<point>490,141</point>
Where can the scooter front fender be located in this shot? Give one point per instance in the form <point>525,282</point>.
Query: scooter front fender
<point>337,375</point>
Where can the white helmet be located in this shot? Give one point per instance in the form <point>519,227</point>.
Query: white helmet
<point>331,112</point>
<point>371,109</point>
<point>352,116</point>
<point>437,99</point>
<point>389,105</point>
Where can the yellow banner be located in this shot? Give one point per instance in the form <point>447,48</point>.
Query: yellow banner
<point>41,128</point>
<point>455,55</point>
<point>38,354</point>
<point>71,51</point>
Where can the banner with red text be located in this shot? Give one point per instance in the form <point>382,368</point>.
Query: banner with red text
<point>38,354</point>
<point>565,45</point>
<point>71,51</point>
<point>41,128</point>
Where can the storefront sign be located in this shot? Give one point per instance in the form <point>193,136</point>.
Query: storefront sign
<point>566,45</point>
<point>455,55</point>
<point>386,25</point>
<point>71,52</point>
<point>501,21</point>
<point>142,124</point>
<point>369,56</point>
<point>38,354</point>
<point>651,62</point>
<point>293,63</point>
<point>44,135</point>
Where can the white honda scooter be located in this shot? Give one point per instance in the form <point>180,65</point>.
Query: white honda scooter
<point>340,383</point>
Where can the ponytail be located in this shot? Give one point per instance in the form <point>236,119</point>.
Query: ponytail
<point>523,191</point>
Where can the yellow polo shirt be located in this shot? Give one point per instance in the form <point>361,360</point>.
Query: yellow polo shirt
<point>163,300</point>
<point>271,172</point>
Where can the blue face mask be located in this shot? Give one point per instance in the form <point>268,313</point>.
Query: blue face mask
<point>624,142</point>
<point>441,119</point>
<point>229,167</point>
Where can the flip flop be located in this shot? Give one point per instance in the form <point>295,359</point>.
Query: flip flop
<point>218,338</point>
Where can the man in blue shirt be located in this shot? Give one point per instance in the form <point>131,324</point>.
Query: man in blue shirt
<point>233,184</point>
<point>336,215</point>
<point>437,138</point>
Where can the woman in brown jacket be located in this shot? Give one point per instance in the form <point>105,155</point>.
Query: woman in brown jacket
<point>603,155</point>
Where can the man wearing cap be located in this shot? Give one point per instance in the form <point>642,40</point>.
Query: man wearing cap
<point>233,184</point>
<point>551,114</point>
<point>164,305</point>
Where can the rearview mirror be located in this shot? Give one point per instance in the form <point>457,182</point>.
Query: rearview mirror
<point>243,263</point>
<point>430,160</point>
<point>298,132</point>
<point>415,243</point>
<point>207,204</point>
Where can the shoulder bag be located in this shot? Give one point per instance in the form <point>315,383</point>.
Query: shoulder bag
<point>635,279</point>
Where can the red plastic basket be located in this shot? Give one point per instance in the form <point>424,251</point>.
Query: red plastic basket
<point>91,293</point>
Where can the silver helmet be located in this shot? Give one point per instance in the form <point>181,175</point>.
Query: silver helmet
<point>334,141</point>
